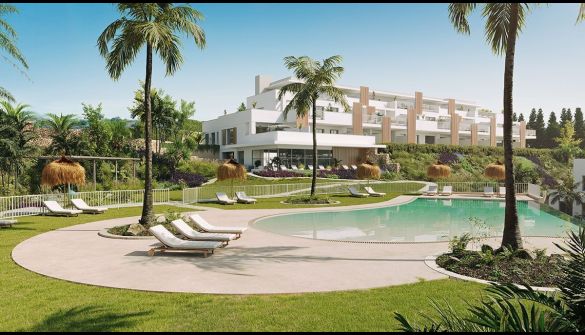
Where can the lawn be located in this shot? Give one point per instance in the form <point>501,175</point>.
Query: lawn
<point>31,302</point>
<point>273,203</point>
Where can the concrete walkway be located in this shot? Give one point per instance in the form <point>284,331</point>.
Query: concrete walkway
<point>258,263</point>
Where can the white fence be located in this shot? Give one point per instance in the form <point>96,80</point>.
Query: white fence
<point>207,193</point>
<point>25,205</point>
<point>478,187</point>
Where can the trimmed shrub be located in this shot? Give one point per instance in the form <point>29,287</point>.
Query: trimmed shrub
<point>206,169</point>
<point>278,174</point>
<point>187,178</point>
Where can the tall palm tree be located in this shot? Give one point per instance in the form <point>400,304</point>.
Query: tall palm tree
<point>316,78</point>
<point>503,23</point>
<point>8,45</point>
<point>61,126</point>
<point>152,25</point>
<point>567,191</point>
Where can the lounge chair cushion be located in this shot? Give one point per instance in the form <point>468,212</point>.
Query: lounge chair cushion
<point>55,208</point>
<point>81,205</point>
<point>171,241</point>
<point>190,233</point>
<point>201,224</point>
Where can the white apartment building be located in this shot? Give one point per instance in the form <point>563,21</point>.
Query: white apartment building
<point>261,132</point>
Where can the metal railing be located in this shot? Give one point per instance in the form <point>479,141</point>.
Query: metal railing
<point>478,187</point>
<point>25,205</point>
<point>207,193</point>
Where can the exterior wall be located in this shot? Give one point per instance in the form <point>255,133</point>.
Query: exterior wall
<point>347,156</point>
<point>493,132</point>
<point>357,119</point>
<point>418,102</point>
<point>411,126</point>
<point>474,139</point>
<point>364,95</point>
<point>386,130</point>
<point>451,106</point>
<point>522,134</point>
<point>455,119</point>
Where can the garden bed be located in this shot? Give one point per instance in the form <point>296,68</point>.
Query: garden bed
<point>505,267</point>
<point>310,201</point>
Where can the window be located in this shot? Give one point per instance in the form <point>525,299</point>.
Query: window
<point>207,138</point>
<point>320,108</point>
<point>334,131</point>
<point>320,130</point>
<point>212,138</point>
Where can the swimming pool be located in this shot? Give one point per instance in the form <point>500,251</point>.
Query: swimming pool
<point>421,220</point>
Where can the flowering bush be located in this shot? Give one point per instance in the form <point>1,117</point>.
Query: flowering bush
<point>340,173</point>
<point>189,179</point>
<point>278,174</point>
<point>448,158</point>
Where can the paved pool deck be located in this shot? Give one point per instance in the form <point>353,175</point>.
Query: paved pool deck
<point>258,263</point>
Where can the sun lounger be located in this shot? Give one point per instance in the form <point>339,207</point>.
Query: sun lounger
<point>244,198</point>
<point>82,206</point>
<point>355,193</point>
<point>223,199</point>
<point>205,226</point>
<point>294,167</point>
<point>354,167</point>
<point>373,193</point>
<point>310,167</point>
<point>184,229</point>
<point>321,167</point>
<point>431,190</point>
<point>283,168</point>
<point>171,242</point>
<point>502,192</point>
<point>56,209</point>
<point>447,190</point>
<point>488,191</point>
<point>6,223</point>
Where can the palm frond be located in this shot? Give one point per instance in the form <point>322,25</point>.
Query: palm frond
<point>498,16</point>
<point>458,13</point>
<point>581,15</point>
<point>4,94</point>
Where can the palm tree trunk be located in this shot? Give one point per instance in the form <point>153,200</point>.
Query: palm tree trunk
<point>314,127</point>
<point>511,236</point>
<point>147,210</point>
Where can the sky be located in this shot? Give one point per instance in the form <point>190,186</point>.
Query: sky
<point>388,47</point>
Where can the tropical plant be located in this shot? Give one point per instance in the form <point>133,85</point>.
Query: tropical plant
<point>98,133</point>
<point>153,25</point>
<point>567,141</point>
<point>8,38</point>
<point>315,79</point>
<point>569,192</point>
<point>63,141</point>
<point>511,308</point>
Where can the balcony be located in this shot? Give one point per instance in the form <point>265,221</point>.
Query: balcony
<point>298,138</point>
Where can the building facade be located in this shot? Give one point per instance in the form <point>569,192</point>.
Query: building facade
<point>261,132</point>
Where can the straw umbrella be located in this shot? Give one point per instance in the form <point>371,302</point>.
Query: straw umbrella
<point>368,170</point>
<point>496,171</point>
<point>231,170</point>
<point>438,170</point>
<point>63,172</point>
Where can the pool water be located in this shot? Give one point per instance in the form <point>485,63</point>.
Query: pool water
<point>422,220</point>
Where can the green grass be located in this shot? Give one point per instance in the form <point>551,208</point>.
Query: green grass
<point>31,302</point>
<point>262,181</point>
<point>273,203</point>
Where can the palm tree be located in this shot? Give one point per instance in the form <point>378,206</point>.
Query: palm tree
<point>61,126</point>
<point>567,191</point>
<point>8,45</point>
<point>152,25</point>
<point>316,78</point>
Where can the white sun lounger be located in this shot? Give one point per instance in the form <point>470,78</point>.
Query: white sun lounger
<point>244,198</point>
<point>56,209</point>
<point>310,167</point>
<point>184,229</point>
<point>431,190</point>
<point>373,193</point>
<point>283,168</point>
<point>447,190</point>
<point>294,167</point>
<point>354,167</point>
<point>321,167</point>
<point>488,191</point>
<point>171,242</point>
<point>345,167</point>
<point>205,226</point>
<point>6,223</point>
<point>82,206</point>
<point>502,192</point>
<point>223,199</point>
<point>355,193</point>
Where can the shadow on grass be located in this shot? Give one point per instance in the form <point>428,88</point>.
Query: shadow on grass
<point>86,319</point>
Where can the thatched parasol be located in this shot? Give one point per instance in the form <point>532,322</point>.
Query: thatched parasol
<point>63,172</point>
<point>368,170</point>
<point>438,170</point>
<point>231,170</point>
<point>496,171</point>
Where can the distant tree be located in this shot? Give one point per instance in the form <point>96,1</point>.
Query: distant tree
<point>566,116</point>
<point>540,129</point>
<point>579,127</point>
<point>99,134</point>
<point>521,117</point>
<point>532,119</point>
<point>514,117</point>
<point>64,142</point>
<point>242,107</point>
<point>567,142</point>
<point>553,130</point>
